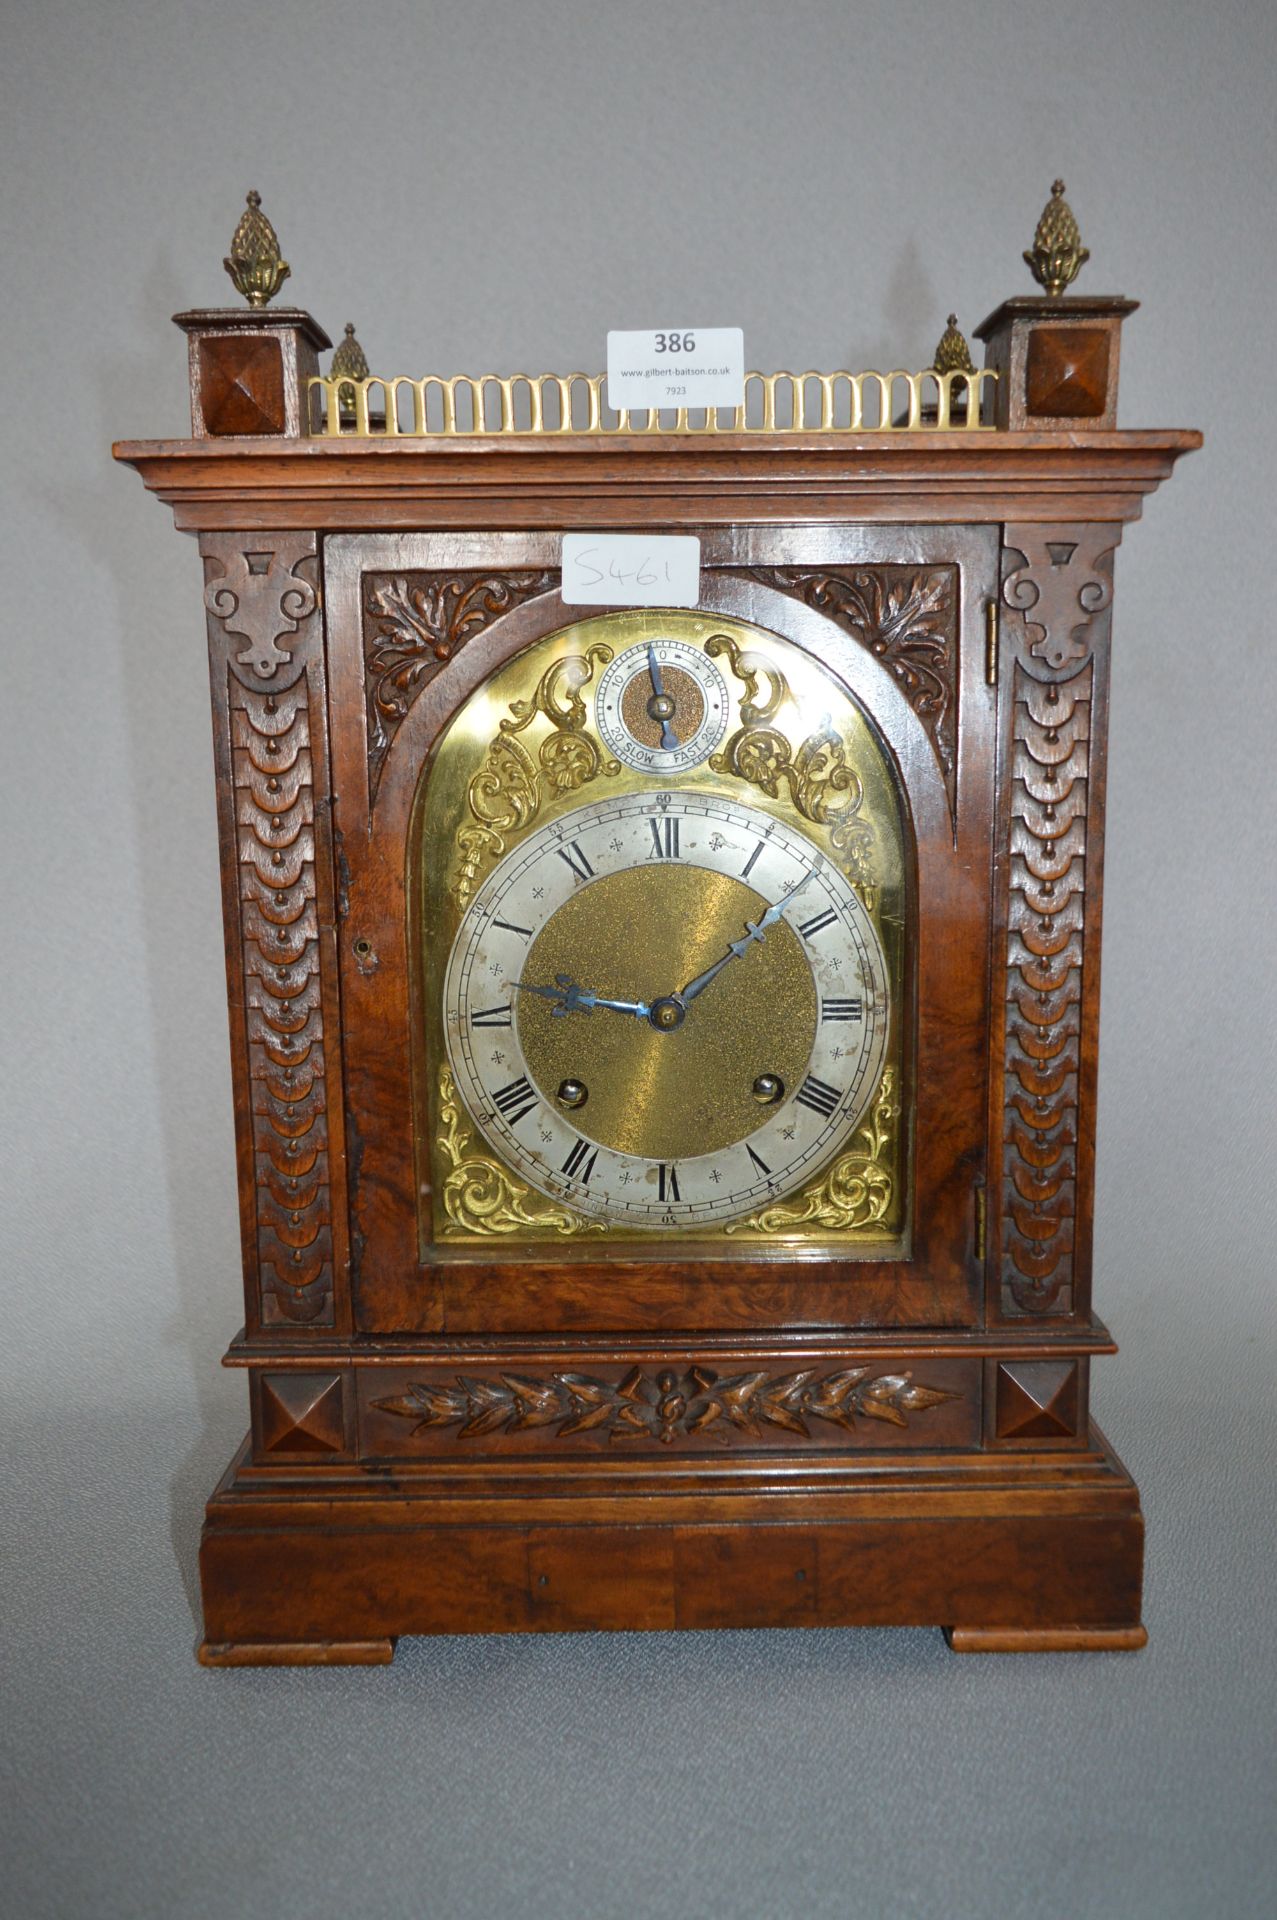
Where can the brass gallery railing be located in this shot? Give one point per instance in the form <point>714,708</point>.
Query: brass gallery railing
<point>548,403</point>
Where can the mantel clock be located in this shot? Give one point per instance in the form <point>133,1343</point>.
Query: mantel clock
<point>664,1037</point>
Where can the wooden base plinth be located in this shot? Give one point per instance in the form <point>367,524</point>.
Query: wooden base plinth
<point>323,1565</point>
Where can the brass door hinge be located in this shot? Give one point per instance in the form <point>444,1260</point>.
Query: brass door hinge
<point>980,1213</point>
<point>991,643</point>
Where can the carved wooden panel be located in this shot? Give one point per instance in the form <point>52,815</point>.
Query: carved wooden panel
<point>907,618</point>
<point>266,659</point>
<point>1057,587</point>
<point>680,1403</point>
<point>414,623</point>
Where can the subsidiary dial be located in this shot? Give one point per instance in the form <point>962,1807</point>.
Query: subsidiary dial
<point>662,706</point>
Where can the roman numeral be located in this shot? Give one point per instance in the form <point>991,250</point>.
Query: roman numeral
<point>810,928</point>
<point>748,866</point>
<point>511,928</point>
<point>491,1017</point>
<point>760,1164</point>
<point>576,1166</point>
<point>840,1010</point>
<point>668,1179</point>
<point>515,1100</point>
<point>815,1094</point>
<point>581,868</point>
<point>664,838</point>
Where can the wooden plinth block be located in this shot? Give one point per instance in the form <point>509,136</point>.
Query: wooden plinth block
<point>1056,360</point>
<point>994,1550</point>
<point>249,370</point>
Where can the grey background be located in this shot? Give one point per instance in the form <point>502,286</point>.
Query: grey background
<point>493,186</point>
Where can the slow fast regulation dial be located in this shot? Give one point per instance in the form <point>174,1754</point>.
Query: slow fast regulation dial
<point>667,1010</point>
<point>662,706</point>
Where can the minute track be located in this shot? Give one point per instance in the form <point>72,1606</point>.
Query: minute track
<point>714,1168</point>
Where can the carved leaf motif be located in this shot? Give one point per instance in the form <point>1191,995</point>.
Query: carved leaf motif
<point>666,1406</point>
<point>414,624</point>
<point>906,618</point>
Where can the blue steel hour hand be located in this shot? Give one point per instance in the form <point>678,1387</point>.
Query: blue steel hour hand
<point>735,948</point>
<point>568,997</point>
<point>660,706</point>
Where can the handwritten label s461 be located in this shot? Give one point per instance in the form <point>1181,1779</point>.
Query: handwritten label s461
<point>631,570</point>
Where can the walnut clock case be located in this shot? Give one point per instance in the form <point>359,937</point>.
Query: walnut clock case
<point>664,1039</point>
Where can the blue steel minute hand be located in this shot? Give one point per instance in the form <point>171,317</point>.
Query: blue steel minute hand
<point>568,997</point>
<point>735,948</point>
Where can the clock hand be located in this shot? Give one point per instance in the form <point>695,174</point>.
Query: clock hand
<point>570,998</point>
<point>660,706</point>
<point>735,948</point>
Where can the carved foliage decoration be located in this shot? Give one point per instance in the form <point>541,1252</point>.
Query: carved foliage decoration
<point>413,624</point>
<point>668,1405</point>
<point>907,618</point>
<point>271,724</point>
<point>1058,580</point>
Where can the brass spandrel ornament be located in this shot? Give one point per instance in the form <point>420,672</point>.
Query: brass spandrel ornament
<point>952,354</point>
<point>1057,255</point>
<point>254,261</point>
<point>349,363</point>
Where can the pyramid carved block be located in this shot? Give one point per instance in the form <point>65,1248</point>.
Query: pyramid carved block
<point>242,383</point>
<point>302,1413</point>
<point>1067,373</point>
<point>1037,1400</point>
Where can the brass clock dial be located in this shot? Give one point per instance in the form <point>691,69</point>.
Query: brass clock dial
<point>666,1010</point>
<point>662,706</point>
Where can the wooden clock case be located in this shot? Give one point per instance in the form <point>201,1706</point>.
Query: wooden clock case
<point>677,1438</point>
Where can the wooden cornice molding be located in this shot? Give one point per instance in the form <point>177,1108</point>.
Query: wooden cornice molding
<point>362,485</point>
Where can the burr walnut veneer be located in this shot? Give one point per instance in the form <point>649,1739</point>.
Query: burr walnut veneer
<point>550,1430</point>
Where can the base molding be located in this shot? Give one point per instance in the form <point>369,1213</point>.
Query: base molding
<point>328,1565</point>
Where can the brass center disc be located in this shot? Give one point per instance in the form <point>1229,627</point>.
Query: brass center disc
<point>641,935</point>
<point>689,706</point>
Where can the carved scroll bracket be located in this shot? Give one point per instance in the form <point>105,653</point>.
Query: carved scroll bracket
<point>259,596</point>
<point>1058,580</point>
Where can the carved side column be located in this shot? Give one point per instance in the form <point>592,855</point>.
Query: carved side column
<point>266,663</point>
<point>1056,592</point>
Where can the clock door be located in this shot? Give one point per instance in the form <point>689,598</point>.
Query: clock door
<point>664,934</point>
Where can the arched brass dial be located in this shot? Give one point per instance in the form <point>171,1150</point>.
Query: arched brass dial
<point>667,1009</point>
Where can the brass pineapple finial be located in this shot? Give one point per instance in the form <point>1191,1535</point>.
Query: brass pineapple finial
<point>953,355</point>
<point>349,363</point>
<point>1058,253</point>
<point>254,263</point>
